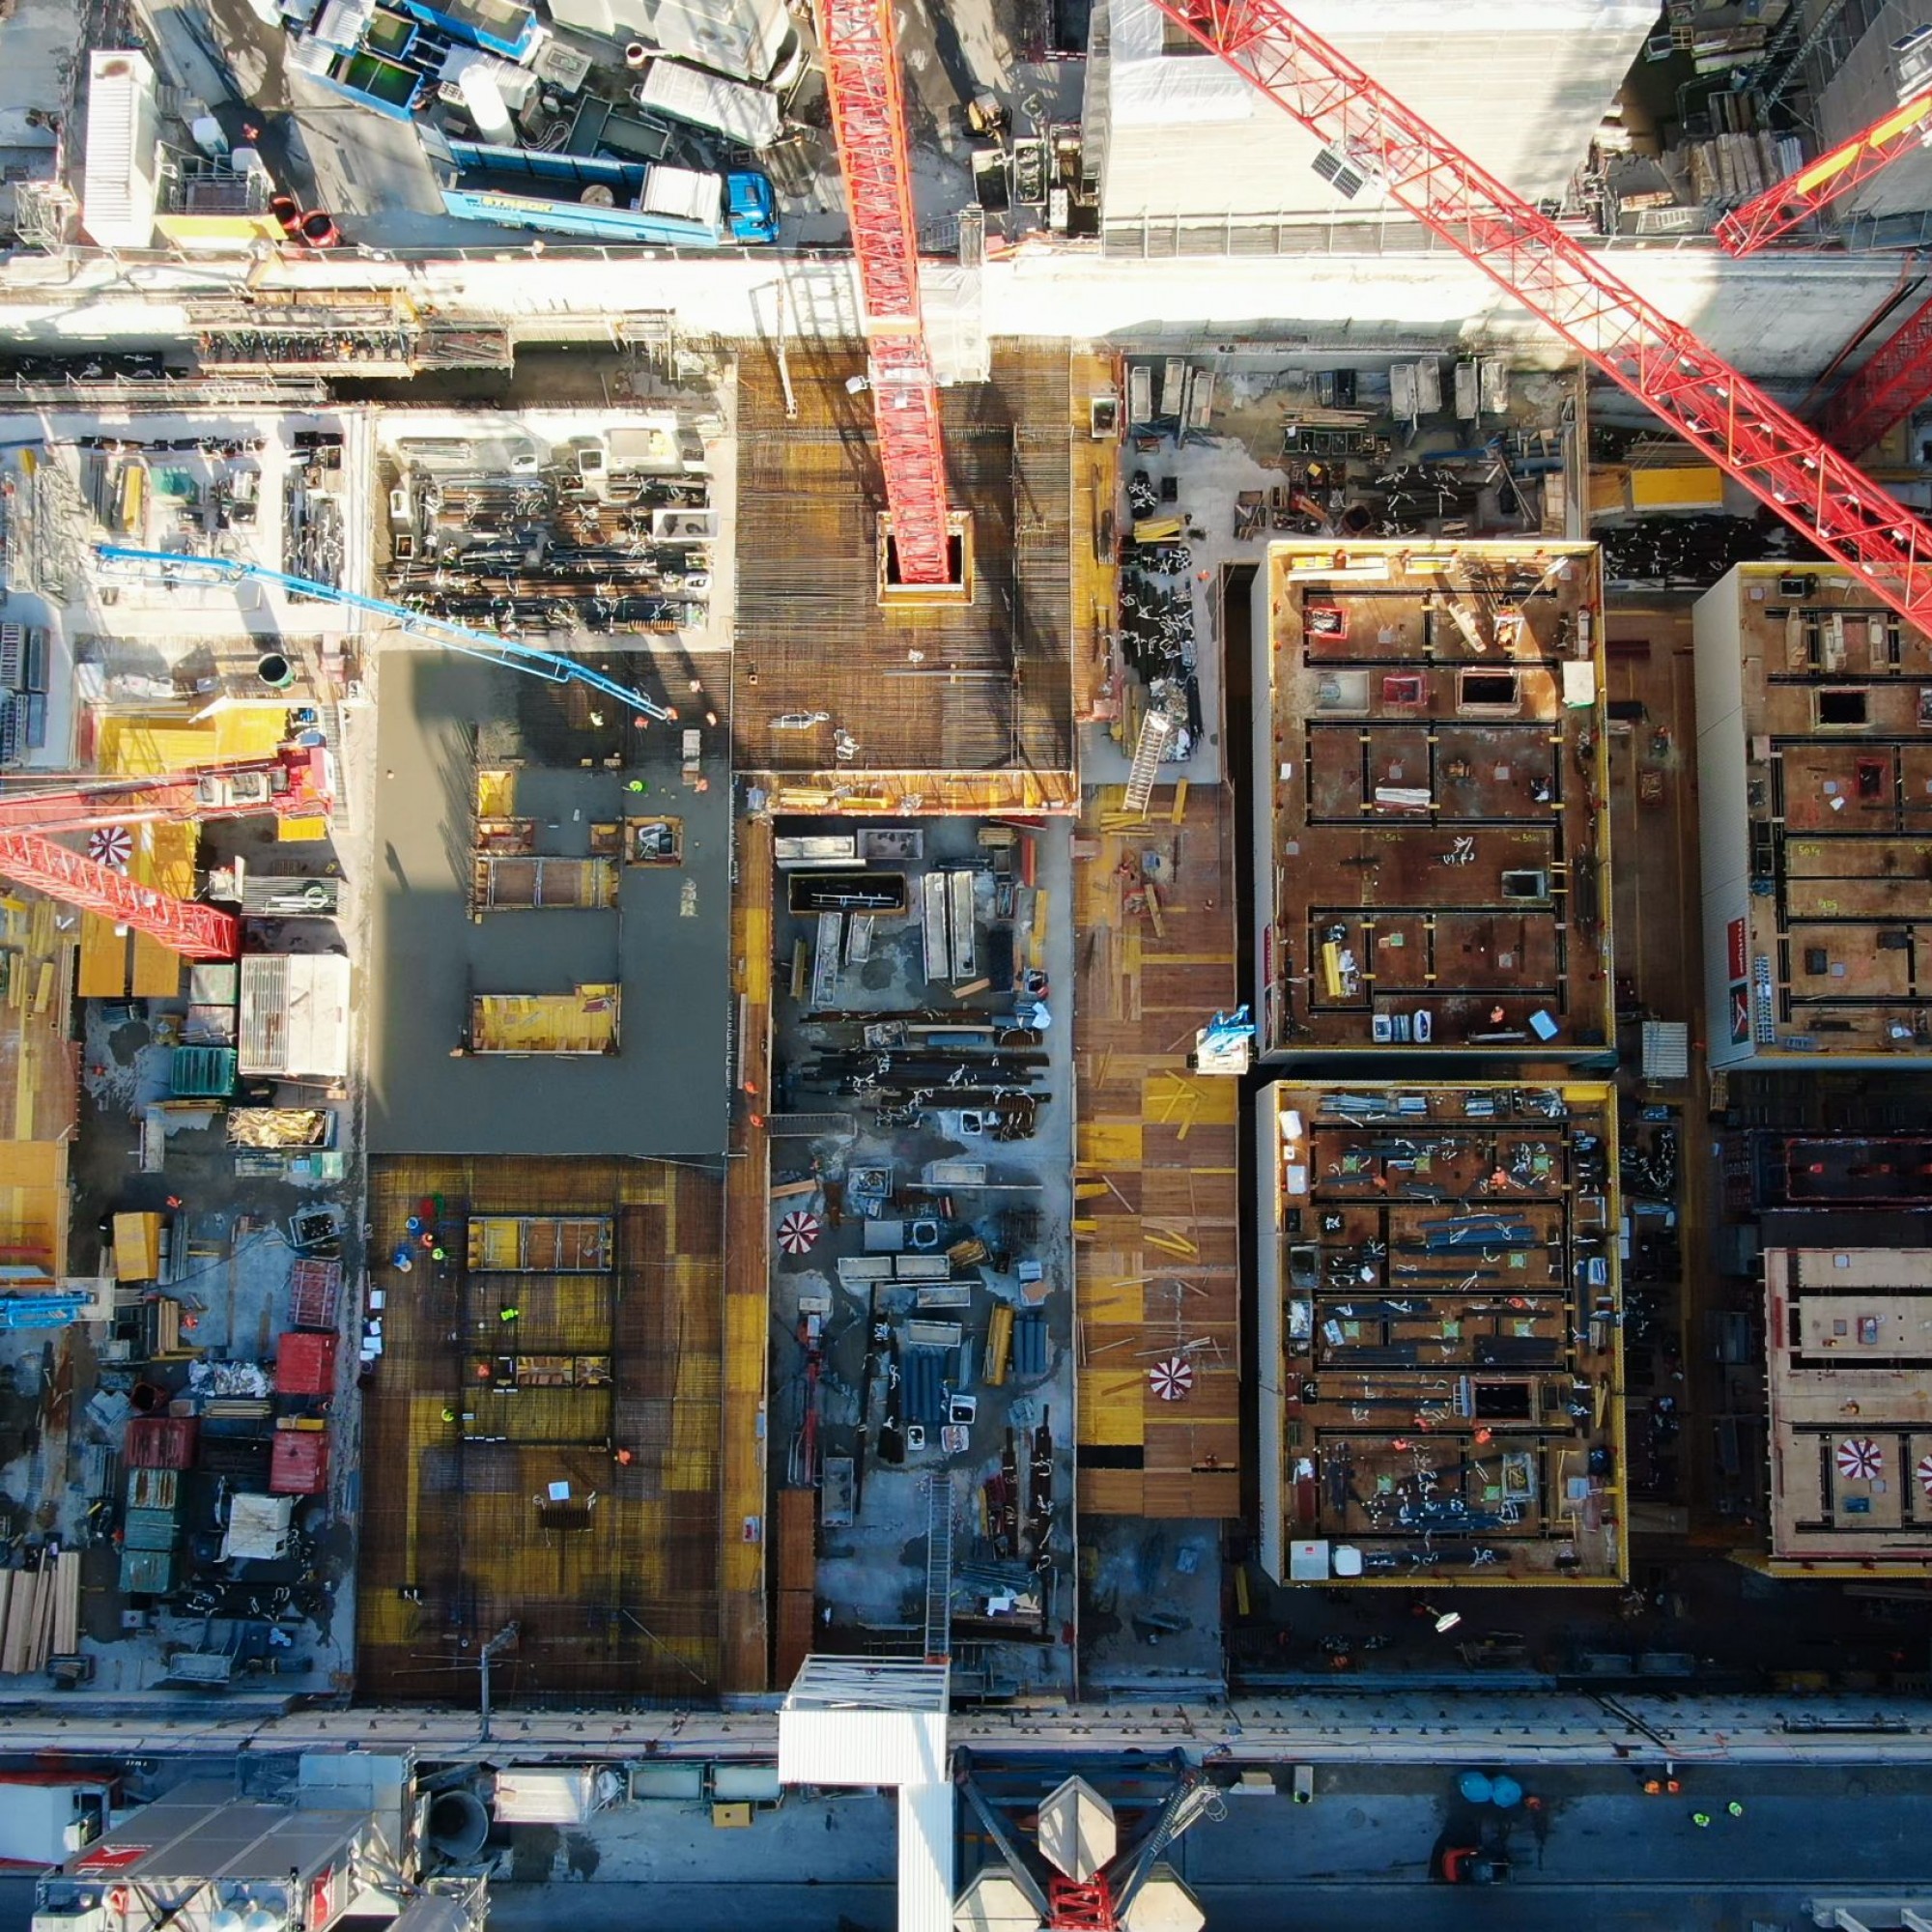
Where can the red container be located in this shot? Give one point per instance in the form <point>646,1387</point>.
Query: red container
<point>299,1465</point>
<point>305,1365</point>
<point>161,1442</point>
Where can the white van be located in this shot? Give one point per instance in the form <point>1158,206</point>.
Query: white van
<point>746,115</point>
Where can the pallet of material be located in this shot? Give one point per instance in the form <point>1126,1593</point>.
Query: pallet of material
<point>933,922</point>
<point>965,949</point>
<point>40,1613</point>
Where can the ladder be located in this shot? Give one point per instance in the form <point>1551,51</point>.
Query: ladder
<point>938,1567</point>
<point>1156,728</point>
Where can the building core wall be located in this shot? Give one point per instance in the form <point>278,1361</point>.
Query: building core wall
<point>1815,780</point>
<point>1435,876</point>
<point>1446,1375</point>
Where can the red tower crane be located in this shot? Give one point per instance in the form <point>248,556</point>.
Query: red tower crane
<point>1370,133</point>
<point>1894,381</point>
<point>1796,199</point>
<point>862,80</point>
<point>292,783</point>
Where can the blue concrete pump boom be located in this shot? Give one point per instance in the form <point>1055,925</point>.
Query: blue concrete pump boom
<point>490,645</point>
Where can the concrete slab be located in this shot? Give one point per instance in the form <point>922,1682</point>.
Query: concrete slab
<point>665,1091</point>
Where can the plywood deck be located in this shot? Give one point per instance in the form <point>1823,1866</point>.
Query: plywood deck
<point>746,1645</point>
<point>619,1382</point>
<point>1439,826</point>
<point>1157,1254</point>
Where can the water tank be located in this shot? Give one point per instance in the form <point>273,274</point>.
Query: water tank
<point>484,100</point>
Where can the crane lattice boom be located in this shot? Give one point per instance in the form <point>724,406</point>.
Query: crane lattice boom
<point>1662,363</point>
<point>187,927</point>
<point>862,81</point>
<point>1794,200</point>
<point>296,781</point>
<point>1892,385</point>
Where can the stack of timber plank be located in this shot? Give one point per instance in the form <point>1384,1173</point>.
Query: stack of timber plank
<point>40,1613</point>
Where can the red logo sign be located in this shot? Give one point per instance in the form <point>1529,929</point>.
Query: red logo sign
<point>113,1858</point>
<point>1734,935</point>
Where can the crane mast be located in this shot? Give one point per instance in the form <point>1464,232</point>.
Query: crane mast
<point>1719,411</point>
<point>862,80</point>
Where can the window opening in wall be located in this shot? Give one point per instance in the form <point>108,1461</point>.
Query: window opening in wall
<point>1502,1402</point>
<point>1486,691</point>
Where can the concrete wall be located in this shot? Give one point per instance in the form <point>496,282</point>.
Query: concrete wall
<point>1775,326</point>
<point>1724,817</point>
<point>1271,1447</point>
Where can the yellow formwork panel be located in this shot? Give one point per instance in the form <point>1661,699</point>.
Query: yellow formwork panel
<point>1110,1403</point>
<point>746,1322</point>
<point>1113,1302</point>
<point>149,745</point>
<point>1168,1097</point>
<point>104,959</point>
<point>757,954</point>
<point>497,792</point>
<point>693,1462</point>
<point>1106,1143</point>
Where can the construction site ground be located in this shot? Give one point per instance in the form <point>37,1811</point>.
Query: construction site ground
<point>228,1278</point>
<point>871,1573</point>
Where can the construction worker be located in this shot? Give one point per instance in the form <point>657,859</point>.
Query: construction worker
<point>636,786</point>
<point>449,1415</point>
<point>506,1314</point>
<point>1701,1819</point>
<point>1736,1810</point>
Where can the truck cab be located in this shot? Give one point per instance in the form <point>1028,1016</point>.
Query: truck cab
<point>753,209</point>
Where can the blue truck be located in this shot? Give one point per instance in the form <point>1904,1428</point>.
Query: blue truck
<point>642,202</point>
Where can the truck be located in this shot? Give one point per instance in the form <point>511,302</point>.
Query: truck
<point>748,116</point>
<point>646,204</point>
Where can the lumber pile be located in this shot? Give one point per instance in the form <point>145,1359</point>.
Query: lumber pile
<point>40,1613</point>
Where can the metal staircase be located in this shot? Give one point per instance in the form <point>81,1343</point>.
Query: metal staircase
<point>1157,728</point>
<point>938,1569</point>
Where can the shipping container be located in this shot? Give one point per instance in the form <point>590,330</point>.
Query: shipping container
<point>305,1365</point>
<point>299,1464</point>
<point>159,1442</point>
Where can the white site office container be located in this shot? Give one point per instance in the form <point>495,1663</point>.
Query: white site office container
<point>293,1021</point>
<point>746,115</point>
<point>118,181</point>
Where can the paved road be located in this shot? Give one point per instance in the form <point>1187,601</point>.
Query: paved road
<point>1357,1860</point>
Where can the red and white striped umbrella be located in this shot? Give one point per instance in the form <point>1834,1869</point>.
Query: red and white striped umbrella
<point>1925,1474</point>
<point>1172,1379</point>
<point>797,1232</point>
<point>111,845</point>
<point>1858,1456</point>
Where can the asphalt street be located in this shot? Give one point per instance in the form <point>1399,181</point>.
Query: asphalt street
<point>1357,1860</point>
